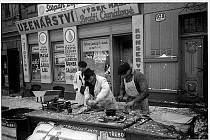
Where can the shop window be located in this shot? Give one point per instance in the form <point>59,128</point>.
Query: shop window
<point>96,55</point>
<point>7,10</point>
<point>59,62</point>
<point>193,23</point>
<point>35,62</point>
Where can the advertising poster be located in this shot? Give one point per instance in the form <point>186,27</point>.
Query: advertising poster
<point>35,63</point>
<point>138,42</point>
<point>96,55</point>
<point>24,45</point>
<point>45,65</point>
<point>70,51</point>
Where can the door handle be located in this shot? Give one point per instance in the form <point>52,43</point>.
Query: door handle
<point>200,69</point>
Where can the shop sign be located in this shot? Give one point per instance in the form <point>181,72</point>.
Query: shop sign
<point>46,9</point>
<point>24,45</point>
<point>44,53</point>
<point>83,15</point>
<point>70,50</point>
<point>47,22</point>
<point>111,135</point>
<point>105,11</point>
<point>138,44</point>
<point>160,17</point>
<point>100,134</point>
<point>96,45</point>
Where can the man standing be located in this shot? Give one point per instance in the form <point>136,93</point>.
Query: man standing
<point>79,83</point>
<point>134,84</point>
<point>97,92</point>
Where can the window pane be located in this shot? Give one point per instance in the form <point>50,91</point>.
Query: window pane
<point>96,55</point>
<point>192,23</point>
<point>35,63</point>
<point>7,10</point>
<point>59,62</point>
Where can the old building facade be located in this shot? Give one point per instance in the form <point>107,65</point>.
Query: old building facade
<point>166,41</point>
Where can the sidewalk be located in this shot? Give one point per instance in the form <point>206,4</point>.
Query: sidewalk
<point>19,102</point>
<point>22,102</point>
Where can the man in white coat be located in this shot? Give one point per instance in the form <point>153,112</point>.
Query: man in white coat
<point>97,92</point>
<point>79,83</point>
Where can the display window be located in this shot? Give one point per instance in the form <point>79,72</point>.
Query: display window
<point>59,62</point>
<point>96,54</point>
<point>35,62</point>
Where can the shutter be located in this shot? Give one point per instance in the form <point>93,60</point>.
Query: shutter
<point>118,26</point>
<point>56,35</point>
<point>33,38</point>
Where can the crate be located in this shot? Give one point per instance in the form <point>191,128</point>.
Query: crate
<point>14,124</point>
<point>46,95</point>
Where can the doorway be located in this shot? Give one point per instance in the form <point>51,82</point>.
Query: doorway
<point>194,66</point>
<point>122,52</point>
<point>13,71</point>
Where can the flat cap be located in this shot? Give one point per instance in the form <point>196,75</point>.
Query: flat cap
<point>123,68</point>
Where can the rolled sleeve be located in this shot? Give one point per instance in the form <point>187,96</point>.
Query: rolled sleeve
<point>105,89</point>
<point>87,96</point>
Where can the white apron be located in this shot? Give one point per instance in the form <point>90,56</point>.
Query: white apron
<point>80,97</point>
<point>132,92</point>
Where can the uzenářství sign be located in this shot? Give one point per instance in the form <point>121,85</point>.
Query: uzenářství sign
<point>83,15</point>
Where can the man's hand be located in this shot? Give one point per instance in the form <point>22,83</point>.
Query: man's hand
<point>120,97</point>
<point>91,103</point>
<point>130,104</point>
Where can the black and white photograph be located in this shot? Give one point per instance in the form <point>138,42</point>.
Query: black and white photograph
<point>104,70</point>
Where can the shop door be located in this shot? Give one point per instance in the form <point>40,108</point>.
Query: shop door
<point>192,68</point>
<point>13,71</point>
<point>122,52</point>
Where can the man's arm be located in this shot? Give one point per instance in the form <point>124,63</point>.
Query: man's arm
<point>142,87</point>
<point>75,82</point>
<point>87,95</point>
<point>105,89</point>
<point>122,87</point>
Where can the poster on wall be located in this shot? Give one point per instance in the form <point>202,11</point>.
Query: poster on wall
<point>71,53</point>
<point>138,44</point>
<point>35,63</point>
<point>96,54</point>
<point>24,45</point>
<point>44,53</point>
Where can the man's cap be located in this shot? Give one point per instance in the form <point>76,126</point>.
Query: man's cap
<point>123,68</point>
<point>87,73</point>
<point>82,64</point>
